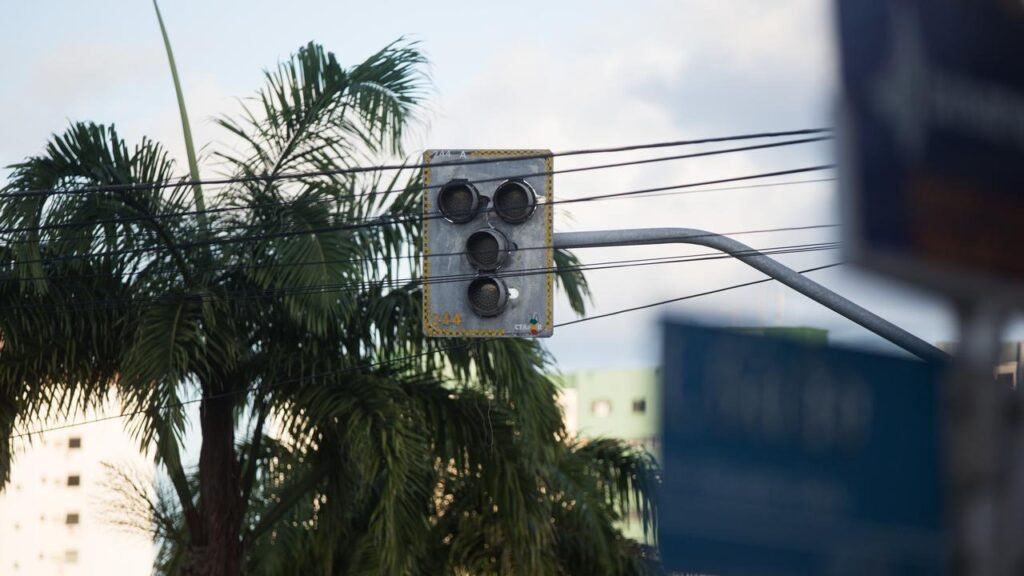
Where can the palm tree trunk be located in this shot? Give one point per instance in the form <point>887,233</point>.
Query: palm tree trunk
<point>217,550</point>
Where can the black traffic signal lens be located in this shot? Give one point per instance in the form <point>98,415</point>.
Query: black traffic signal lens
<point>514,201</point>
<point>458,201</point>
<point>487,296</point>
<point>487,249</point>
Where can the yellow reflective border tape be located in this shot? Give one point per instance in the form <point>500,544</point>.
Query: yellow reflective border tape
<point>474,332</point>
<point>507,153</point>
<point>549,164</point>
<point>430,329</point>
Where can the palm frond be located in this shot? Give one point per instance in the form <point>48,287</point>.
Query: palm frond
<point>570,278</point>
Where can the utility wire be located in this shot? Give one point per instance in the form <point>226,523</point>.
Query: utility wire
<point>364,259</point>
<point>105,237</point>
<point>373,365</point>
<point>286,203</point>
<point>384,221</point>
<point>728,188</point>
<point>385,192</point>
<point>708,293</point>
<point>394,283</point>
<point>134,187</point>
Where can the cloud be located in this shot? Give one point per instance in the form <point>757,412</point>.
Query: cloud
<point>71,73</point>
<point>106,83</point>
<point>74,81</point>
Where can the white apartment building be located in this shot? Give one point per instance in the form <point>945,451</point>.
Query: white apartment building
<point>56,512</point>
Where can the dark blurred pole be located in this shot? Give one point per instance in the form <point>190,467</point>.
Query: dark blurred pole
<point>977,455</point>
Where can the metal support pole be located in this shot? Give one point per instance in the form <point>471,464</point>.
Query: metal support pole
<point>975,442</point>
<point>763,263</point>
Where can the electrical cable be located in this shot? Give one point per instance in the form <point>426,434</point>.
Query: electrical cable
<point>394,283</point>
<point>389,167</point>
<point>414,219</point>
<point>365,259</point>
<point>394,361</point>
<point>728,188</point>
<point>431,186</point>
<point>96,222</point>
<point>708,293</point>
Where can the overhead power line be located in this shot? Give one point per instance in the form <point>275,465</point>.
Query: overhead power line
<point>394,361</point>
<point>391,167</point>
<point>410,219</point>
<point>225,209</point>
<point>394,283</point>
<point>540,173</point>
<point>102,221</point>
<point>728,188</point>
<point>366,259</point>
<point>708,293</point>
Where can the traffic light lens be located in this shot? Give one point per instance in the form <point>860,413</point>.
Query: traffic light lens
<point>487,249</point>
<point>514,201</point>
<point>487,296</point>
<point>458,201</point>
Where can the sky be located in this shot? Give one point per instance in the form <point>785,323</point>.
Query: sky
<point>557,75</point>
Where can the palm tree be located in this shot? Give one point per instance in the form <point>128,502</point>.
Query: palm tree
<point>336,439</point>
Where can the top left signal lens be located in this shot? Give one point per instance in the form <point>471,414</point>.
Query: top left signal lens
<point>458,201</point>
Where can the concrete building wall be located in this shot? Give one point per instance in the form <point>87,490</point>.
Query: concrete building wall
<point>56,512</point>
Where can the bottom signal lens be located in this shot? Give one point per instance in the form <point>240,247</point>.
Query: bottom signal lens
<point>488,296</point>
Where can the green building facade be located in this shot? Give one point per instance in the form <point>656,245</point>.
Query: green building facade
<point>613,404</point>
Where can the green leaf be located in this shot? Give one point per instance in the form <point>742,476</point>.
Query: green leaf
<point>190,151</point>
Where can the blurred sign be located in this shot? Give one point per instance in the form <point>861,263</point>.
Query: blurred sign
<point>784,458</point>
<point>932,136</point>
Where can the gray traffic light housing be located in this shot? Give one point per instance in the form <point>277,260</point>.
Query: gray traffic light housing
<point>487,243</point>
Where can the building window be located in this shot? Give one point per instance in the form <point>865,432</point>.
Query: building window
<point>71,556</point>
<point>640,406</point>
<point>75,442</point>
<point>601,408</point>
<point>74,480</point>
<point>71,519</point>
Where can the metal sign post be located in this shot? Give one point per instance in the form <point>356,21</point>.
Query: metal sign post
<point>974,428</point>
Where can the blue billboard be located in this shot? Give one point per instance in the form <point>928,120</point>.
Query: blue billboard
<point>786,458</point>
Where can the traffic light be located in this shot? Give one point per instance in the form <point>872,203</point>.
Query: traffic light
<point>487,232</point>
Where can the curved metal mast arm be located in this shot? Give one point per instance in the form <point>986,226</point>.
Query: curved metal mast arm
<point>759,261</point>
